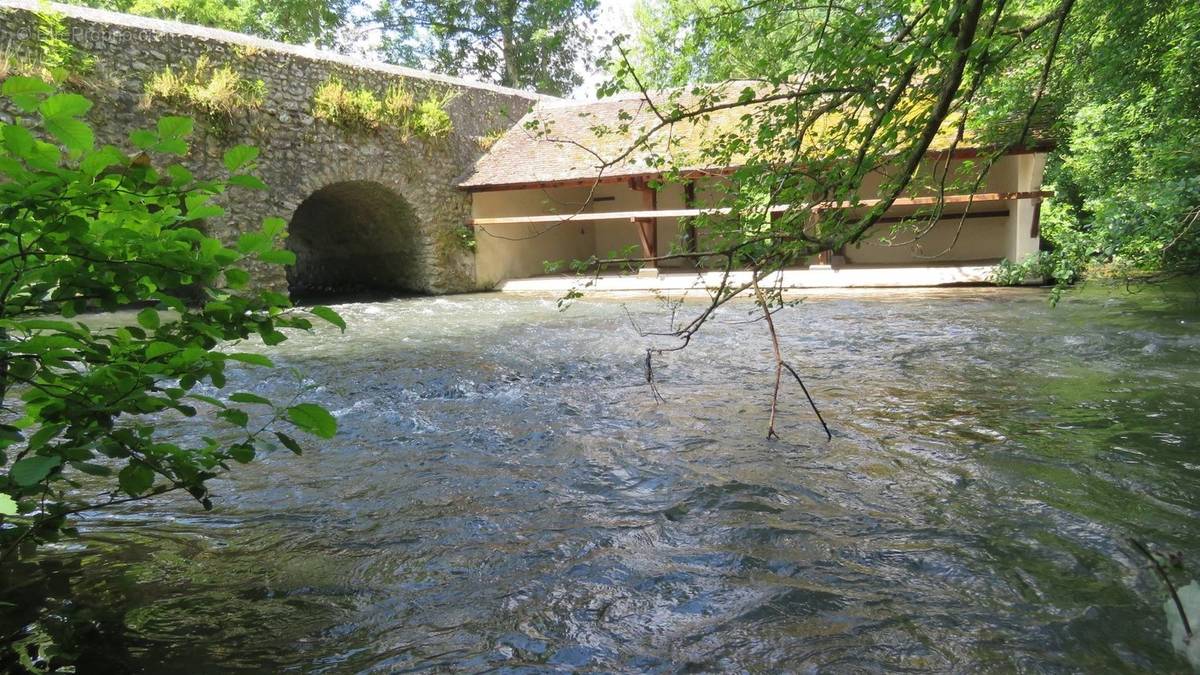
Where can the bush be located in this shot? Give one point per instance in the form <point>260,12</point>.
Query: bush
<point>93,229</point>
<point>361,109</point>
<point>55,60</point>
<point>348,108</point>
<point>431,119</point>
<point>218,93</point>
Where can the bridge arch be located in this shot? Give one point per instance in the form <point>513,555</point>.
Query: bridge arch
<point>354,236</point>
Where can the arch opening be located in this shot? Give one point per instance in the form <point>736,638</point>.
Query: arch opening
<point>354,238</point>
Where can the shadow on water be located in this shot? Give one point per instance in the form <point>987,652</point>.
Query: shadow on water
<point>504,493</point>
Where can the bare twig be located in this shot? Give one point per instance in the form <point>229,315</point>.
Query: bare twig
<point>780,365</point>
<point>1187,626</point>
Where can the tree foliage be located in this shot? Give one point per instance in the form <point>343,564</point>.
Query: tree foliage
<point>840,102</point>
<point>682,42</point>
<point>82,398</point>
<point>1122,82</point>
<point>528,44</point>
<point>295,21</point>
<point>1127,170</point>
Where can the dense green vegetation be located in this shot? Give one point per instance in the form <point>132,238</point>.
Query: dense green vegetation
<point>398,110</point>
<point>296,21</point>
<point>1122,81</point>
<point>527,44</point>
<point>217,93</point>
<point>1127,168</point>
<point>84,229</point>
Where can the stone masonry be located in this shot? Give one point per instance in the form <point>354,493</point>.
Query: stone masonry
<point>374,184</point>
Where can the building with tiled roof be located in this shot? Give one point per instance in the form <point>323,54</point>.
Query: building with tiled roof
<point>562,184</point>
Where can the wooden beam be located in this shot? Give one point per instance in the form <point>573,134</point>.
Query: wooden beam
<point>981,198</point>
<point>970,215</point>
<point>692,174</point>
<point>647,226</point>
<point>959,153</point>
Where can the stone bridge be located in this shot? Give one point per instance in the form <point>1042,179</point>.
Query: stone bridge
<point>367,209</point>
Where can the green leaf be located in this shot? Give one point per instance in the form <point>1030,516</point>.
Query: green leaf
<point>148,319</point>
<point>245,397</point>
<point>251,359</point>
<point>171,146</point>
<point>9,435</point>
<point>235,417</point>
<point>18,140</point>
<point>32,470</point>
<point>159,348</point>
<point>25,92</point>
<point>278,256</point>
<point>313,418</point>
<point>208,399</point>
<point>236,158</point>
<point>50,324</point>
<point>143,139</point>
<point>92,469</point>
<point>44,435</point>
<point>64,105</point>
<point>329,315</point>
<point>247,181</point>
<point>236,277</point>
<point>17,85</point>
<point>273,227</point>
<point>200,207</point>
<point>136,478</point>
<point>75,135</point>
<point>174,128</point>
<point>8,506</point>
<point>289,442</point>
<point>253,242</point>
<point>242,453</point>
<point>96,162</point>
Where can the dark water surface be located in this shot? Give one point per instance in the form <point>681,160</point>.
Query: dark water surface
<point>506,494</point>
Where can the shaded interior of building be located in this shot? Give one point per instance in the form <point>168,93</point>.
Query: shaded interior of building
<point>354,239</point>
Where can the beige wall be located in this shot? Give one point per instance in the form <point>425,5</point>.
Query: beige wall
<point>522,250</point>
<point>518,251</point>
<point>980,240</point>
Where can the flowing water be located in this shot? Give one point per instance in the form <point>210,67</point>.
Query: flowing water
<point>505,493</point>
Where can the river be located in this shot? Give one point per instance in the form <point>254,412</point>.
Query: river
<point>505,493</point>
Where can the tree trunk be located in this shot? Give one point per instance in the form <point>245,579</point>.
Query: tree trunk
<point>512,72</point>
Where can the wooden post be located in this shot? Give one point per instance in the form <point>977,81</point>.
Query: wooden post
<point>690,239</point>
<point>647,227</point>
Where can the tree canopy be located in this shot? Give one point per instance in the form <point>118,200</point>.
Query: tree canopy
<point>1119,82</point>
<point>528,44</point>
<point>294,21</point>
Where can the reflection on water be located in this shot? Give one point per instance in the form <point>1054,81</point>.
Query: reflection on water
<point>505,493</point>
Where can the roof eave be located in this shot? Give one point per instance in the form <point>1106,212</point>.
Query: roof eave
<point>959,153</point>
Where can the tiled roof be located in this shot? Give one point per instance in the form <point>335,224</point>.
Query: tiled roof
<point>566,140</point>
<point>562,141</point>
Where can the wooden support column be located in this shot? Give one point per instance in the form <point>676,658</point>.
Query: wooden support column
<point>647,227</point>
<point>691,239</point>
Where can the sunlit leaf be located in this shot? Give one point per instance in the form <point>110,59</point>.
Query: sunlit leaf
<point>314,419</point>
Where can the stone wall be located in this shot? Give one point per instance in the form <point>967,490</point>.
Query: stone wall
<point>300,155</point>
